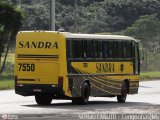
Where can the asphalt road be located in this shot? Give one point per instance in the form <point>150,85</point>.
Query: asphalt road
<point>24,108</point>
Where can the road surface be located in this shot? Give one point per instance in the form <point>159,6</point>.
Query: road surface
<point>24,108</point>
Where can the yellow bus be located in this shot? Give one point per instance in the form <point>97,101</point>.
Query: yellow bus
<point>61,65</point>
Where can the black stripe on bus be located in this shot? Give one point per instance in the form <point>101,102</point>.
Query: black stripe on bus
<point>99,74</point>
<point>37,56</point>
<point>26,80</point>
<point>98,60</point>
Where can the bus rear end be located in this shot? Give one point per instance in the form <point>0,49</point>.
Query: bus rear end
<point>37,65</point>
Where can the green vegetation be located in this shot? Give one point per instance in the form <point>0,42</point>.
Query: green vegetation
<point>147,29</point>
<point>150,75</point>
<point>7,77</point>
<point>93,16</point>
<point>9,66</point>
<point>10,58</point>
<point>6,84</point>
<point>10,23</point>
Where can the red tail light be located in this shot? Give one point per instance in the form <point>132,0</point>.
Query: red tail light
<point>60,80</point>
<point>19,85</point>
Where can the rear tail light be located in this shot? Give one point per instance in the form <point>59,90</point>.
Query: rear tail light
<point>60,80</point>
<point>19,85</point>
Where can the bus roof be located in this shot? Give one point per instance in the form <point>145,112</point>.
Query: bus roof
<point>89,36</point>
<point>97,36</point>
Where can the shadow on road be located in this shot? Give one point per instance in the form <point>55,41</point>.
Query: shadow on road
<point>99,105</point>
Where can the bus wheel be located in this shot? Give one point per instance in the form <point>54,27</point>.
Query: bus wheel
<point>84,95</point>
<point>122,98</point>
<point>42,99</point>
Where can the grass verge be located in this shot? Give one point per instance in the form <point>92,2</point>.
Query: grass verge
<point>6,84</point>
<point>150,75</point>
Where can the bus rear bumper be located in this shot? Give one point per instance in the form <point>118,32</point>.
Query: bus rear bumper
<point>33,89</point>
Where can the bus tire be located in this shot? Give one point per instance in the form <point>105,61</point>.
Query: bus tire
<point>122,98</point>
<point>85,92</point>
<point>43,99</point>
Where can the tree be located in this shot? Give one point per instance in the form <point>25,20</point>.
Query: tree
<point>36,16</point>
<point>123,13</point>
<point>146,29</point>
<point>10,23</point>
<point>93,16</point>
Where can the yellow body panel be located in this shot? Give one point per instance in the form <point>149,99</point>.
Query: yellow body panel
<point>24,43</point>
<point>46,72</point>
<point>113,70</point>
<point>46,50</point>
<point>104,67</point>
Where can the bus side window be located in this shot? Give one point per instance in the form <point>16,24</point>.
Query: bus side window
<point>115,45</point>
<point>104,49</point>
<point>75,43</point>
<point>89,49</point>
<point>77,49</point>
<point>95,49</point>
<point>120,49</point>
<point>124,49</point>
<point>82,49</point>
<point>100,49</point>
<point>72,49</point>
<point>69,49</point>
<point>110,55</point>
<point>129,49</point>
<point>85,48</point>
<point>107,49</point>
<point>133,51</point>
